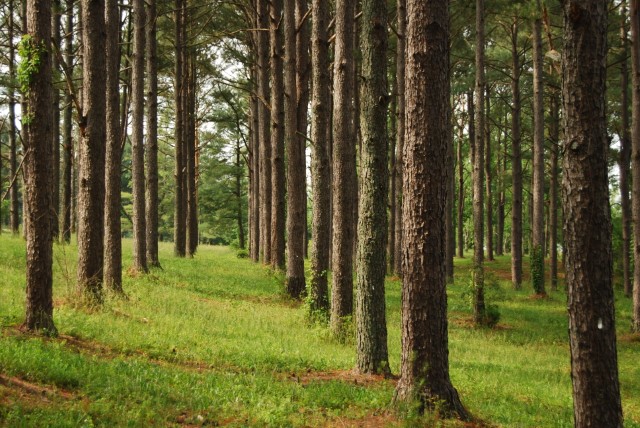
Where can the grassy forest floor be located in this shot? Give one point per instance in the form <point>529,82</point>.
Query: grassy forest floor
<point>212,341</point>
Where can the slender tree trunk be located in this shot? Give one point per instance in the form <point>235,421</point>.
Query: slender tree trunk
<point>278,182</point>
<point>625,157</point>
<point>391,232</point>
<point>424,372</point>
<point>516,162</point>
<point>371,331</point>
<point>296,174</point>
<point>191,146</point>
<point>488,176</point>
<point>450,228</point>
<point>113,162</point>
<point>92,153</point>
<point>344,168</point>
<point>401,48</point>
<point>14,220</point>
<point>587,225</point>
<point>239,175</point>
<point>537,248</point>
<point>554,136</point>
<point>264,135</point>
<point>460,207</point>
<point>502,167</point>
<point>478,176</point>
<point>179,218</point>
<point>321,180</point>
<point>37,127</point>
<point>303,70</point>
<point>254,170</point>
<point>635,135</point>
<point>55,141</point>
<point>151,148</point>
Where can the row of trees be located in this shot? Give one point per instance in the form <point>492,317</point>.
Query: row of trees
<point>383,184</point>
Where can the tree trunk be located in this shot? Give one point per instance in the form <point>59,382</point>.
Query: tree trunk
<point>424,372</point>
<point>344,168</point>
<point>303,70</point>
<point>151,148</point>
<point>191,146</point>
<point>451,191</point>
<point>400,134</point>
<point>371,328</point>
<point>321,180</point>
<point>537,247</point>
<point>502,166</point>
<point>478,176</point>
<point>37,123</point>
<point>92,153</point>
<point>55,141</point>
<point>393,122</point>
<point>625,157</point>
<point>113,162</point>
<point>180,215</point>
<point>635,135</point>
<point>587,225</point>
<point>296,174</point>
<point>239,175</point>
<point>460,222</point>
<point>516,162</point>
<point>254,171</point>
<point>488,177</point>
<point>554,136</point>
<point>278,182</point>
<point>264,135</point>
<point>14,206</point>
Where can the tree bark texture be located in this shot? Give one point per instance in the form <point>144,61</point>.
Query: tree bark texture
<point>37,122</point>
<point>113,161</point>
<point>554,136</point>
<point>151,147</point>
<point>180,215</point>
<point>537,250</point>
<point>587,224</point>
<point>424,372</point>
<point>624,160</point>
<point>460,207</point>
<point>191,143</point>
<point>137,139</point>
<point>321,180</point>
<point>303,71</point>
<point>371,324</point>
<point>478,170</point>
<point>401,48</point>
<point>296,174</point>
<point>56,19</point>
<point>635,153</point>
<point>344,166</point>
<point>14,207</point>
<point>92,152</point>
<point>488,176</point>
<point>278,182</point>
<point>516,161</point>
<point>264,131</point>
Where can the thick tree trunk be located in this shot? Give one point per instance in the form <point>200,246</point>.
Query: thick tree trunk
<point>113,162</point>
<point>137,139</point>
<point>371,324</point>
<point>478,176</point>
<point>92,152</point>
<point>191,146</point>
<point>264,134</point>
<point>344,168</point>
<point>424,373</point>
<point>180,215</point>
<point>37,121</point>
<point>537,247</point>
<point>151,148</point>
<point>516,162</point>
<point>635,135</point>
<point>321,180</point>
<point>587,225</point>
<point>400,134</point>
<point>278,182</point>
<point>296,174</point>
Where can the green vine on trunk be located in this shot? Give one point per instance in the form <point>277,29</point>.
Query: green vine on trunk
<point>32,54</point>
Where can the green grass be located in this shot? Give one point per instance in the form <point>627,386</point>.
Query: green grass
<point>212,340</point>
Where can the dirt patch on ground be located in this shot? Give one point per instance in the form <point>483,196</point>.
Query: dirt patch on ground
<point>629,338</point>
<point>346,376</point>
<point>381,419</point>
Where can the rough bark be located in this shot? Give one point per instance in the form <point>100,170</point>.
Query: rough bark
<point>554,136</point>
<point>296,174</point>
<point>92,152</point>
<point>254,172</point>
<point>191,147</point>
<point>516,161</point>
<point>537,221</point>
<point>180,215</point>
<point>400,134</point>
<point>56,19</point>
<point>460,222</point>
<point>587,224</point>
<point>624,160</point>
<point>502,168</point>
<point>321,180</point>
<point>38,131</point>
<point>478,170</point>
<point>264,134</point>
<point>278,183</point>
<point>303,71</point>
<point>424,372</point>
<point>371,324</point>
<point>113,162</point>
<point>450,250</point>
<point>488,177</point>
<point>393,129</point>
<point>151,147</point>
<point>344,168</point>
<point>635,149</point>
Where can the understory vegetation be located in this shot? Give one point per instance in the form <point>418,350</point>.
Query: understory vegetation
<point>214,341</point>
